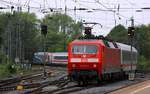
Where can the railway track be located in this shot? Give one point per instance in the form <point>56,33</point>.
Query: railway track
<point>103,88</point>
<point>32,76</point>
<point>70,89</point>
<point>64,90</point>
<point>11,84</point>
<point>59,81</point>
<point>62,84</point>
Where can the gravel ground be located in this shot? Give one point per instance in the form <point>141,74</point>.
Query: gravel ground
<point>104,88</point>
<point>54,72</point>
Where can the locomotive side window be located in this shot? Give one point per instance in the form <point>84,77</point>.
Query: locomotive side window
<point>84,49</point>
<point>60,57</point>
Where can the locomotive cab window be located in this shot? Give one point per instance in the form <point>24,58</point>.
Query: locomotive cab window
<point>84,49</point>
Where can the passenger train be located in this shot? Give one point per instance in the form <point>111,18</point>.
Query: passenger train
<point>100,59</point>
<point>51,58</point>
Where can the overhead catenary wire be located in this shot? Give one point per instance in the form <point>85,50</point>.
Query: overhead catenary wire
<point>98,9</point>
<point>36,9</point>
<point>107,9</point>
<point>83,17</point>
<point>16,4</point>
<point>130,2</point>
<point>26,2</point>
<point>84,1</point>
<point>127,18</point>
<point>80,4</point>
<point>97,1</point>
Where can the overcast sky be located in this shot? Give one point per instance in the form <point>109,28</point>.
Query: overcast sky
<point>105,15</point>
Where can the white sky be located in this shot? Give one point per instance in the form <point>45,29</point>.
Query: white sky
<point>106,18</point>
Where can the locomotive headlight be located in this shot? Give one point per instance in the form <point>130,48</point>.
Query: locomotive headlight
<point>93,60</point>
<point>73,65</point>
<point>75,60</point>
<point>94,65</point>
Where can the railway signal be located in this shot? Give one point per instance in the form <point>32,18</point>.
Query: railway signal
<point>131,31</point>
<point>44,30</point>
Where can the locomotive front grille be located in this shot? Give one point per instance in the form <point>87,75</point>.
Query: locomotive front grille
<point>88,74</point>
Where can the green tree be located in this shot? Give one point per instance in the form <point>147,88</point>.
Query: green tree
<point>3,22</point>
<point>29,34</point>
<point>119,34</point>
<point>61,30</point>
<point>143,38</point>
<point>18,34</point>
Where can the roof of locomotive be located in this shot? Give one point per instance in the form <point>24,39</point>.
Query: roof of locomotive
<point>121,46</point>
<point>88,41</point>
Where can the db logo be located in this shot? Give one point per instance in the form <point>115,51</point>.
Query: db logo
<point>84,56</point>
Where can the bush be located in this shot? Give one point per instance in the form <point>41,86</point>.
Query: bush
<point>143,63</point>
<point>7,67</point>
<point>4,71</point>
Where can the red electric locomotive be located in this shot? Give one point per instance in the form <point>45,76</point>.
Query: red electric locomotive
<point>99,59</point>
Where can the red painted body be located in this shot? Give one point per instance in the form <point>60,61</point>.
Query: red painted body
<point>103,64</point>
<point>111,59</point>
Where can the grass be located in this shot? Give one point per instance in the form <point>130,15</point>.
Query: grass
<point>10,69</point>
